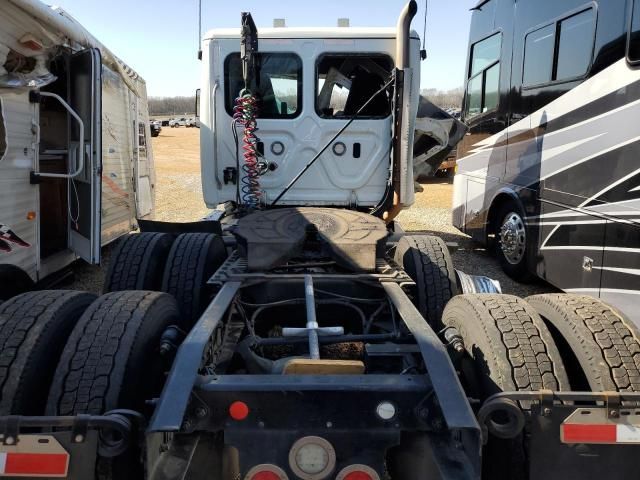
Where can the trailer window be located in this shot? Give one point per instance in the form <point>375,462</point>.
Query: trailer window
<point>278,84</point>
<point>561,51</point>
<point>3,133</point>
<point>483,86</point>
<point>344,83</point>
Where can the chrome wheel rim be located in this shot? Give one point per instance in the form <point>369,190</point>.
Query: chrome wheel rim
<point>513,238</point>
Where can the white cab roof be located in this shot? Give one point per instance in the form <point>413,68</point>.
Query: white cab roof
<point>309,32</point>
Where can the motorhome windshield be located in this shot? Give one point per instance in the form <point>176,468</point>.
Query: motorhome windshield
<point>277,84</point>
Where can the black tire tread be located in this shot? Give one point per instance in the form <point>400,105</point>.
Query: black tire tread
<point>431,267</point>
<point>94,363</point>
<point>192,259</point>
<point>605,342</point>
<point>523,354</point>
<point>511,349</point>
<point>137,262</point>
<point>33,329</point>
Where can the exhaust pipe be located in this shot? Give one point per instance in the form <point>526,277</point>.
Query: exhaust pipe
<point>403,30</point>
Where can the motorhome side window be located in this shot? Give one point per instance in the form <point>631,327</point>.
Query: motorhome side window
<point>3,133</point>
<point>633,45</point>
<point>484,76</point>
<point>346,82</point>
<point>278,84</point>
<point>560,51</point>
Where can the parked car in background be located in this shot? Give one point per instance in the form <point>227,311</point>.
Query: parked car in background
<point>178,122</point>
<point>193,122</point>
<point>155,127</point>
<point>165,123</point>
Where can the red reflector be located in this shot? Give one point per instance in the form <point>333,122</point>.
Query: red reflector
<point>358,472</point>
<point>239,411</point>
<point>44,464</point>
<point>584,433</point>
<point>358,476</point>
<point>265,476</point>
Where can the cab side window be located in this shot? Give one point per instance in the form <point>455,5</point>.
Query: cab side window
<point>278,84</point>
<point>561,51</point>
<point>344,83</point>
<point>483,85</point>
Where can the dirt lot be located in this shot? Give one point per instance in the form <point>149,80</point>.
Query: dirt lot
<point>179,198</point>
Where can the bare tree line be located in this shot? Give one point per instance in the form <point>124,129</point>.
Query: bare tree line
<point>172,105</point>
<point>186,105</point>
<point>445,99</point>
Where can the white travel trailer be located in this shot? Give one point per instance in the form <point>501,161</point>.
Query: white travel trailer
<point>62,92</point>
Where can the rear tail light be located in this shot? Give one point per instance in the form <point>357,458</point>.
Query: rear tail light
<point>358,472</point>
<point>266,472</point>
<point>312,458</point>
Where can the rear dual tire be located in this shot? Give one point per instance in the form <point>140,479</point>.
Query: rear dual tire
<point>601,340</point>
<point>426,259</point>
<point>557,342</point>
<point>193,259</point>
<point>34,328</point>
<point>508,348</point>
<point>110,361</point>
<point>138,262</point>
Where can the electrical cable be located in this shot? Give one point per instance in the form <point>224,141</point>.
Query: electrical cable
<point>333,139</point>
<point>75,219</point>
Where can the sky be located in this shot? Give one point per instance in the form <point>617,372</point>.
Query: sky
<point>159,38</point>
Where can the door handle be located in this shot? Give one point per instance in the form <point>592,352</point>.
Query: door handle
<point>80,166</point>
<point>214,129</point>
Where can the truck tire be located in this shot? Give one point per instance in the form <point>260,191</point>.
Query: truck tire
<point>34,327</point>
<point>111,361</point>
<point>605,343</point>
<point>137,263</point>
<point>511,241</point>
<point>427,261</point>
<point>193,258</point>
<point>508,348</point>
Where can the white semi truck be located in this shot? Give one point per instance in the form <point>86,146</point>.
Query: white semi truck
<point>310,337</point>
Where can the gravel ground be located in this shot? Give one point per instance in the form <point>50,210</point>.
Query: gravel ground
<point>179,198</point>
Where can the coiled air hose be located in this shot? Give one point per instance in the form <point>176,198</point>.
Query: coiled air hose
<point>244,114</point>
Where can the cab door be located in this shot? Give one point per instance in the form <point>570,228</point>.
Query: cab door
<point>85,190</point>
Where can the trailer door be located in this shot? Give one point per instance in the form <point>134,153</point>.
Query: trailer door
<point>85,97</point>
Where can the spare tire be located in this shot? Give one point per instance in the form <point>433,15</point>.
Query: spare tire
<point>34,328</point>
<point>137,263</point>
<point>427,261</point>
<point>193,258</point>
<point>111,361</point>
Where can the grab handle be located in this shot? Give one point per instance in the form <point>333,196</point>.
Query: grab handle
<point>80,166</point>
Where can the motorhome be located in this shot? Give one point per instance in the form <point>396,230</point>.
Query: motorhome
<point>76,166</point>
<point>549,171</point>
